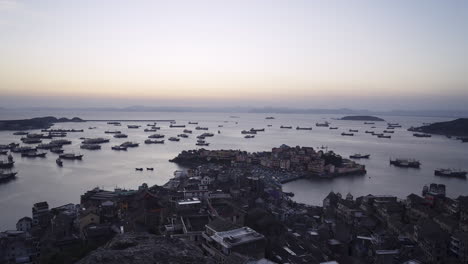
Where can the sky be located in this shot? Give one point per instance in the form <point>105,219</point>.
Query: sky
<point>379,55</point>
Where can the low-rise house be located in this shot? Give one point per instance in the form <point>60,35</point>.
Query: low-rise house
<point>459,246</point>
<point>24,224</point>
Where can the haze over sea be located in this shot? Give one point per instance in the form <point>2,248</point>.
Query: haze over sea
<point>42,180</point>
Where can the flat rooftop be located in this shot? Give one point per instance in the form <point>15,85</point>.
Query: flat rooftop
<point>236,237</point>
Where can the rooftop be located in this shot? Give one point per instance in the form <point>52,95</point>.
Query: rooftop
<point>237,237</point>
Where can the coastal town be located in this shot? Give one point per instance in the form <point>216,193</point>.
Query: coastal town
<point>228,207</point>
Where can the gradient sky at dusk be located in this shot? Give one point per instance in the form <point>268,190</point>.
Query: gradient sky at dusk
<point>319,54</point>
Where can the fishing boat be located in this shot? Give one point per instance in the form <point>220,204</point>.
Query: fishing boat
<point>187,131</point>
<point>347,134</point>
<point>333,127</point>
<point>201,128</point>
<point>422,135</point>
<point>193,123</point>
<point>112,132</point>
<point>149,141</point>
<point>303,128</point>
<point>183,135</point>
<point>3,152</point>
<point>249,136</point>
<point>326,124</point>
<point>257,129</point>
<point>174,139</point>
<point>59,162</point>
<point>353,130</point>
<point>56,150</point>
<point>248,132</point>
<point>389,131</point>
<point>286,127</point>
<point>6,163</point>
<point>34,154</point>
<point>71,156</point>
<point>150,130</point>
<point>7,175</point>
<point>450,173</point>
<point>133,126</point>
<point>139,169</point>
<point>359,156</point>
<point>156,136</point>
<point>150,169</point>
<point>175,126</point>
<point>118,147</point>
<point>129,144</point>
<point>384,136</point>
<point>90,146</point>
<point>202,144</point>
<point>120,136</point>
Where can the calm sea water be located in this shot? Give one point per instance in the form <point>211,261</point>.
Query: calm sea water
<point>42,180</point>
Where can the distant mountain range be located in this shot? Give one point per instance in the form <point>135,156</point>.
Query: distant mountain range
<point>264,110</point>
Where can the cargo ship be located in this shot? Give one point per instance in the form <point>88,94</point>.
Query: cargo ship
<point>405,163</point>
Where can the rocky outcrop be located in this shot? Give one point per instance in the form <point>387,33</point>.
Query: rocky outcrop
<point>35,123</point>
<point>362,118</point>
<point>458,127</point>
<point>145,248</point>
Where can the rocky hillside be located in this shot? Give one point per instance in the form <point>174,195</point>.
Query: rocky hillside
<point>457,127</point>
<point>145,248</point>
<point>35,123</point>
<point>362,118</point>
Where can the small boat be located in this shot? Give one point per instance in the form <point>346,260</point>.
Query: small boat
<point>422,135</point>
<point>369,132</point>
<point>20,133</point>
<point>359,156</point>
<point>149,141</point>
<point>150,130</point>
<point>6,163</point>
<point>405,163</point>
<point>303,128</point>
<point>202,144</point>
<point>56,150</point>
<point>182,135</point>
<point>114,123</point>
<point>201,128</point>
<point>353,130</point>
<point>187,131</point>
<point>31,140</point>
<point>220,126</point>
<point>34,154</point>
<point>59,162</point>
<point>175,126</point>
<point>90,146</point>
<point>3,152</point>
<point>117,147</point>
<point>150,169</point>
<point>249,136</point>
<point>389,131</point>
<point>286,127</point>
<point>333,128</point>
<point>369,123</point>
<point>133,126</point>
<point>112,132</point>
<point>129,144</point>
<point>156,136</point>
<point>248,132</point>
<point>174,139</point>
<point>5,176</point>
<point>347,134</point>
<point>120,136</point>
<point>91,127</point>
<point>71,156</point>
<point>193,123</point>
<point>450,173</point>
<point>384,136</point>
<point>269,117</point>
<point>269,125</point>
<point>257,129</point>
<point>139,169</point>
<point>326,124</point>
